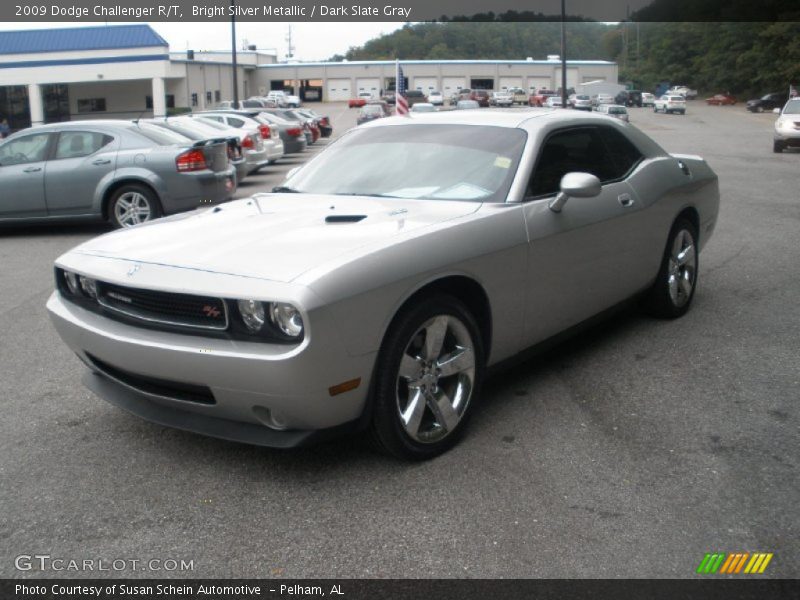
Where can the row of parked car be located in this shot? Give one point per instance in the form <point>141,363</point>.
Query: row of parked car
<point>128,172</point>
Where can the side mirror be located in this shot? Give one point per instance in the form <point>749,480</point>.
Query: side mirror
<point>776,111</point>
<point>578,185</point>
<point>291,172</point>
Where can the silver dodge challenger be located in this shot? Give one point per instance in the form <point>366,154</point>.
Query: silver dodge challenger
<point>376,285</point>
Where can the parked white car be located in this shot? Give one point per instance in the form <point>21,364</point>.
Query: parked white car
<point>293,101</point>
<point>501,99</point>
<point>670,103</point>
<point>787,127</point>
<point>614,110</point>
<point>553,102</point>
<point>436,98</point>
<point>648,99</point>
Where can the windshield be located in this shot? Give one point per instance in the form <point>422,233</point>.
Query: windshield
<point>441,162</point>
<point>617,110</point>
<point>792,107</point>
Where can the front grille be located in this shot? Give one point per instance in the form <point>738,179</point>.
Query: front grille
<point>182,310</point>
<point>175,390</point>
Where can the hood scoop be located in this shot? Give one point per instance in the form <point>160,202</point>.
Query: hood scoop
<point>344,218</point>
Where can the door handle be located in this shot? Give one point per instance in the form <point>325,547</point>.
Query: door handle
<point>32,170</point>
<point>625,200</point>
<point>101,161</point>
<point>684,168</point>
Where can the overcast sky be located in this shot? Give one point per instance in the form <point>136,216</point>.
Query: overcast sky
<point>312,41</point>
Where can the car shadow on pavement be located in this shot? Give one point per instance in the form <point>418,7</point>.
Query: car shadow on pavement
<point>50,229</point>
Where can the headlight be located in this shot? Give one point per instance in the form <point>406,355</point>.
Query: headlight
<point>253,314</point>
<point>72,283</point>
<point>286,318</point>
<point>89,287</point>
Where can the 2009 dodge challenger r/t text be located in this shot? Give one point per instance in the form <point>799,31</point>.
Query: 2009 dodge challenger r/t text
<point>375,286</point>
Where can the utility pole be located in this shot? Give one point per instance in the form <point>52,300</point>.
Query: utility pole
<point>233,56</point>
<point>563,54</point>
<point>290,47</point>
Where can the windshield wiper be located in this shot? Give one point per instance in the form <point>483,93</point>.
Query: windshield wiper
<point>282,189</point>
<point>367,195</point>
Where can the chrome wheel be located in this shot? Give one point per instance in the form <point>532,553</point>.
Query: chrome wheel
<point>435,379</point>
<point>132,208</point>
<point>682,268</point>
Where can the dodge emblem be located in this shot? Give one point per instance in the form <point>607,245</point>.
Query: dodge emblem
<point>132,271</point>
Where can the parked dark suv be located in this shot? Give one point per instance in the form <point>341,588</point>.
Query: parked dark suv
<point>767,102</point>
<point>415,96</point>
<point>635,98</point>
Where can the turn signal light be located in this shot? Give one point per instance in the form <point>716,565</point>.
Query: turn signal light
<point>341,388</point>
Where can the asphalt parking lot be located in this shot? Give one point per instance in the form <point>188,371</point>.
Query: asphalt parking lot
<point>630,451</point>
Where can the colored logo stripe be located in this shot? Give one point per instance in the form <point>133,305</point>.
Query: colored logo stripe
<point>733,563</point>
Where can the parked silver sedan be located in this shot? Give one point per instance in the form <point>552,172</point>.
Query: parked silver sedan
<point>121,171</point>
<point>261,146</point>
<point>377,284</point>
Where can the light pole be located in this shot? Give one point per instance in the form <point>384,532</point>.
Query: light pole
<point>233,56</point>
<point>563,54</point>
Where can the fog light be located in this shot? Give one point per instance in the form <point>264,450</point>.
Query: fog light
<point>252,312</point>
<point>89,287</point>
<point>286,318</point>
<point>72,283</point>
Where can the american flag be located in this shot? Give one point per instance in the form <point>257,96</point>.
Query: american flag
<point>401,104</point>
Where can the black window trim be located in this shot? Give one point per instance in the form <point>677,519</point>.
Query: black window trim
<point>630,171</point>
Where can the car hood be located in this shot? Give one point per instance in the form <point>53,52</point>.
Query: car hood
<point>276,237</point>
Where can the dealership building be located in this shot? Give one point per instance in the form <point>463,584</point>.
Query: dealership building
<point>128,71</point>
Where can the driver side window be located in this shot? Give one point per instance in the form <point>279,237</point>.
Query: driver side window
<point>24,150</point>
<point>578,149</point>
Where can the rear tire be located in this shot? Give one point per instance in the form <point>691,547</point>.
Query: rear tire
<point>133,204</point>
<point>673,291</point>
<point>428,379</point>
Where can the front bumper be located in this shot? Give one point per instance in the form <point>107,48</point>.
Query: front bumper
<point>249,382</point>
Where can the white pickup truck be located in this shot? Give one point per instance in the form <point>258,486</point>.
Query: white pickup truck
<point>670,103</point>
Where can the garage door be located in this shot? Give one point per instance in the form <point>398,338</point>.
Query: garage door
<point>538,83</point>
<point>371,85</point>
<point>339,90</point>
<point>426,84</point>
<point>510,82</point>
<point>572,78</point>
<point>450,85</point>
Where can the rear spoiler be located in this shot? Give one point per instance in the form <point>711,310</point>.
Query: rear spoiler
<point>212,141</point>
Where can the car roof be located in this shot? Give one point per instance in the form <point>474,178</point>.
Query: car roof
<point>493,117</point>
<point>83,124</point>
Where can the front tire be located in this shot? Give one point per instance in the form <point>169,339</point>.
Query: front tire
<point>777,147</point>
<point>673,291</point>
<point>428,379</point>
<point>133,204</point>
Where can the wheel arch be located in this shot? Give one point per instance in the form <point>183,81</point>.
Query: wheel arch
<point>463,288</point>
<point>117,184</point>
<point>691,214</point>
